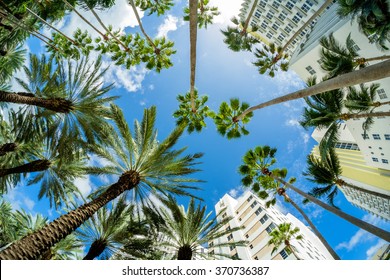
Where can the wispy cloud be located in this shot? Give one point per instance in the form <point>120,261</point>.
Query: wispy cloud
<point>228,9</point>
<point>236,192</point>
<point>84,185</point>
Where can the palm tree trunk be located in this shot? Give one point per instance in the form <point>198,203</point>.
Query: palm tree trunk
<point>85,20</point>
<point>378,104</point>
<point>349,116</point>
<point>294,253</point>
<point>341,182</point>
<point>383,57</point>
<point>34,166</point>
<point>245,27</point>
<point>96,249</point>
<point>313,227</point>
<point>371,73</point>
<point>316,14</point>
<point>193,38</point>
<point>184,253</point>
<point>107,30</point>
<point>52,27</point>
<point>385,235</point>
<point>141,26</point>
<point>8,148</point>
<point>58,105</point>
<point>35,244</point>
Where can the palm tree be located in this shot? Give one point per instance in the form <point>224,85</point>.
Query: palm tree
<point>54,171</point>
<point>373,18</point>
<point>193,10</point>
<point>271,58</point>
<point>261,159</point>
<point>326,111</point>
<point>368,74</point>
<point>11,60</point>
<point>19,224</point>
<point>188,230</point>
<point>226,121</point>
<point>143,164</point>
<point>155,6</point>
<point>71,98</point>
<point>157,54</point>
<point>104,232</point>
<point>240,40</point>
<point>206,14</point>
<point>185,116</point>
<point>266,186</point>
<point>283,234</point>
<point>337,59</point>
<point>327,171</point>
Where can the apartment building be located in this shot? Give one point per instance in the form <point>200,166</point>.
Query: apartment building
<point>249,212</point>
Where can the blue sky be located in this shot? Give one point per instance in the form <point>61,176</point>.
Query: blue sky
<point>221,74</point>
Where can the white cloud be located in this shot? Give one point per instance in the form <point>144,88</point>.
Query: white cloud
<point>228,9</point>
<point>130,79</point>
<point>305,137</point>
<point>169,24</point>
<point>29,203</point>
<point>84,185</point>
<point>373,249</point>
<point>236,192</point>
<point>293,122</point>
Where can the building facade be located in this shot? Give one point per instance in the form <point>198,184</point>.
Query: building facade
<point>257,221</point>
<point>278,20</point>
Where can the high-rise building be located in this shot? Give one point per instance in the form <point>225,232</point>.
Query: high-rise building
<point>383,253</point>
<point>278,20</point>
<point>364,157</point>
<point>249,212</point>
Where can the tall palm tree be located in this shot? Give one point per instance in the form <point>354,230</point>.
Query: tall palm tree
<point>143,164</point>
<point>368,74</point>
<point>157,54</point>
<point>104,232</point>
<point>188,230</point>
<point>70,97</point>
<point>155,6</point>
<point>266,186</point>
<point>283,234</point>
<point>337,59</point>
<point>206,13</point>
<point>262,158</point>
<point>327,171</point>
<point>11,60</point>
<point>275,54</point>
<point>54,171</point>
<point>326,110</point>
<point>19,224</point>
<point>373,17</point>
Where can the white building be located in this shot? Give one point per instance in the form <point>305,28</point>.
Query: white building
<point>278,20</point>
<point>365,159</point>
<point>258,221</point>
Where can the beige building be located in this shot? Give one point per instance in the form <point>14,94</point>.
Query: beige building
<point>258,221</point>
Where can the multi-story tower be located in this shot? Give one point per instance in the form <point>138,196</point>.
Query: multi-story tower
<point>249,212</point>
<point>383,253</point>
<point>365,158</point>
<point>278,20</point>
<point>356,171</point>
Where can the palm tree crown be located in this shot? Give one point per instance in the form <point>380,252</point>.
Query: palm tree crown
<point>283,234</point>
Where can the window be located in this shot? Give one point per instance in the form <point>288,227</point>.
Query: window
<point>382,94</point>
<point>224,215</point>
<point>369,147</point>
<point>239,219</point>
<point>230,237</point>
<point>297,17</point>
<point>263,4</point>
<point>264,219</point>
<point>284,254</point>
<point>211,244</point>
<point>355,46</point>
<point>365,136</point>
<point>376,136</point>
<point>310,70</point>
<point>385,161</point>
<point>270,15</point>
<point>232,247</point>
<point>264,25</point>
<point>275,5</point>
<point>249,199</point>
<point>253,204</point>
<point>270,228</point>
<point>305,8</point>
<point>380,148</point>
<point>235,256</point>
<point>281,37</point>
<point>247,235</point>
<point>375,159</point>
<point>251,246</point>
<point>258,211</point>
<point>382,154</point>
<point>270,34</point>
<point>228,228</point>
<point>387,136</point>
<point>275,26</point>
<point>289,5</point>
<point>257,14</point>
<point>282,15</point>
<point>256,258</point>
<point>288,28</point>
